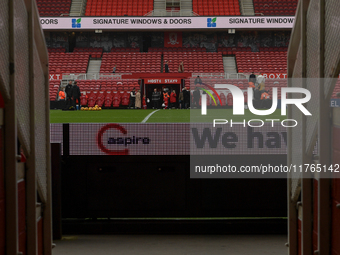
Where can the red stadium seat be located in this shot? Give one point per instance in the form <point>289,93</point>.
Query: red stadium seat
<point>83,100</point>
<point>230,99</point>
<point>108,99</point>
<point>125,96</point>
<point>116,99</point>
<point>92,99</point>
<point>223,99</point>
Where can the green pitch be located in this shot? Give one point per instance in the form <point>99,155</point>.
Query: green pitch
<point>160,116</point>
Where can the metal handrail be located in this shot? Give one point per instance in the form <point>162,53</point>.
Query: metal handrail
<point>167,13</point>
<point>97,76</point>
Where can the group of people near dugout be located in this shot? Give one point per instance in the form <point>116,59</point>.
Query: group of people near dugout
<point>167,99</point>
<point>70,94</point>
<point>136,100</point>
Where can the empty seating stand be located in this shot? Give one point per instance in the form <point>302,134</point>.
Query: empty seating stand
<point>270,7</point>
<point>118,7</point>
<point>216,7</point>
<point>49,8</point>
<point>131,62</point>
<point>265,62</point>
<point>200,62</point>
<point>73,62</point>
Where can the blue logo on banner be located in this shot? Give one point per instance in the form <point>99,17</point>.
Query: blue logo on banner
<point>76,23</point>
<point>211,22</point>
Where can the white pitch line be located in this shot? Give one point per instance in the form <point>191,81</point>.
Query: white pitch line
<point>147,117</point>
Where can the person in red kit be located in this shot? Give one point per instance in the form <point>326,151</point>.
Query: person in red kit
<point>144,102</point>
<point>265,100</point>
<point>165,99</point>
<point>173,99</point>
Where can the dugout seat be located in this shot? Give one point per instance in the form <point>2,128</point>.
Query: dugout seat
<point>223,99</point>
<point>108,99</point>
<point>92,99</point>
<point>83,99</point>
<point>125,95</point>
<point>245,97</point>
<point>230,99</point>
<point>101,98</point>
<point>116,99</point>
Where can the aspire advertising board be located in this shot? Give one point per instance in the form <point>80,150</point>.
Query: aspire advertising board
<point>125,23</point>
<point>172,139</point>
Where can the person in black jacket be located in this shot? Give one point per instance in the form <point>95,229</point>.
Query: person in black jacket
<point>186,98</point>
<point>252,78</point>
<point>156,97</point>
<point>76,95</point>
<point>68,91</point>
<point>198,80</point>
<point>132,99</point>
<point>166,66</point>
<point>196,96</point>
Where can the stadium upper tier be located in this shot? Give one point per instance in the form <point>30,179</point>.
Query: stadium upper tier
<point>268,60</point>
<point>49,8</point>
<point>145,7</point>
<point>205,62</point>
<point>269,7</point>
<point>118,7</point>
<point>216,7</point>
<point>131,62</point>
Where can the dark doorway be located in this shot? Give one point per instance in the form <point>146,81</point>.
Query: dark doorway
<point>146,42</point>
<point>72,41</point>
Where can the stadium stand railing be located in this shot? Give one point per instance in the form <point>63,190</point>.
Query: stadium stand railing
<point>176,49</point>
<point>171,13</point>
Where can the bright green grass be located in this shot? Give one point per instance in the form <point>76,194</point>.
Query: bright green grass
<point>194,115</point>
<point>103,116</point>
<point>161,116</point>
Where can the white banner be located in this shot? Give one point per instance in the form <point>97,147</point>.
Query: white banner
<point>125,23</point>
